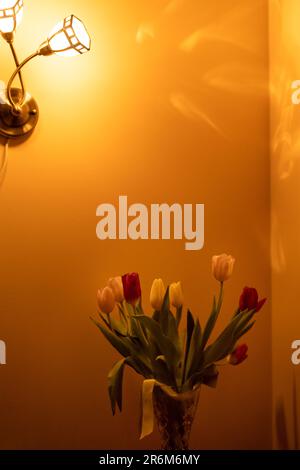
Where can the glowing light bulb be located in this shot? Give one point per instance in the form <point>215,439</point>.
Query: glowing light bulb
<point>67,39</point>
<point>11,14</point>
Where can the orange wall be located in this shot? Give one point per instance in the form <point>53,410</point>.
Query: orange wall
<point>170,106</point>
<point>285,138</point>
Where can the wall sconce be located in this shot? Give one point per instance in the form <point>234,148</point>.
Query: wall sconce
<point>18,110</point>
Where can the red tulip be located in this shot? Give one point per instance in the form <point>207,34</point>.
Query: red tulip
<point>249,300</point>
<point>132,287</point>
<point>238,355</point>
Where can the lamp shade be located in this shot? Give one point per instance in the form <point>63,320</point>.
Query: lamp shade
<point>11,13</point>
<point>69,38</point>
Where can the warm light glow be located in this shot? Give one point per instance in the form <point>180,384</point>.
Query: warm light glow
<point>11,13</point>
<point>69,38</point>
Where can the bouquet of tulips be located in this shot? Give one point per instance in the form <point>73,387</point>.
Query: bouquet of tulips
<point>156,347</point>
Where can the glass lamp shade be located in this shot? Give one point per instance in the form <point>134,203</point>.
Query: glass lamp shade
<point>11,14</point>
<point>69,38</point>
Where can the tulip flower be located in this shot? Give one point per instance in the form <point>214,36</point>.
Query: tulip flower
<point>249,300</point>
<point>176,294</point>
<point>238,355</point>
<point>116,285</point>
<point>157,294</point>
<point>106,300</point>
<point>222,267</point>
<point>132,287</point>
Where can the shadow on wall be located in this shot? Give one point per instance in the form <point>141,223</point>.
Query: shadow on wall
<point>285,117</point>
<point>237,76</point>
<point>285,138</point>
<point>281,422</point>
<point>285,222</point>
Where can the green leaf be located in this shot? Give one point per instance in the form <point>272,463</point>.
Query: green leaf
<point>245,330</point>
<point>139,308</point>
<point>164,314</point>
<point>212,319</point>
<point>127,347</point>
<point>129,309</point>
<point>172,330</point>
<point>207,377</point>
<point>138,332</point>
<point>190,323</point>
<point>237,312</point>
<point>156,315</point>
<point>115,381</point>
<point>195,352</point>
<point>166,301</point>
<point>167,321</point>
<point>223,344</point>
<point>161,371</point>
<point>118,327</point>
<point>123,315</point>
<point>178,315</point>
<point>164,344</point>
<point>126,309</point>
<point>210,376</point>
<point>115,341</point>
<point>189,332</point>
<point>105,321</point>
<point>139,367</point>
<point>140,354</point>
<point>245,318</point>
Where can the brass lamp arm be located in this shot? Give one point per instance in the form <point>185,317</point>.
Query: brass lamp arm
<point>13,51</point>
<point>17,106</point>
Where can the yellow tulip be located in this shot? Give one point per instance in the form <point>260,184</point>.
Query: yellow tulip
<point>157,294</point>
<point>116,285</point>
<point>106,300</point>
<point>176,294</point>
<point>222,267</point>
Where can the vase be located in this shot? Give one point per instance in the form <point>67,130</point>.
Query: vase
<point>175,416</point>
